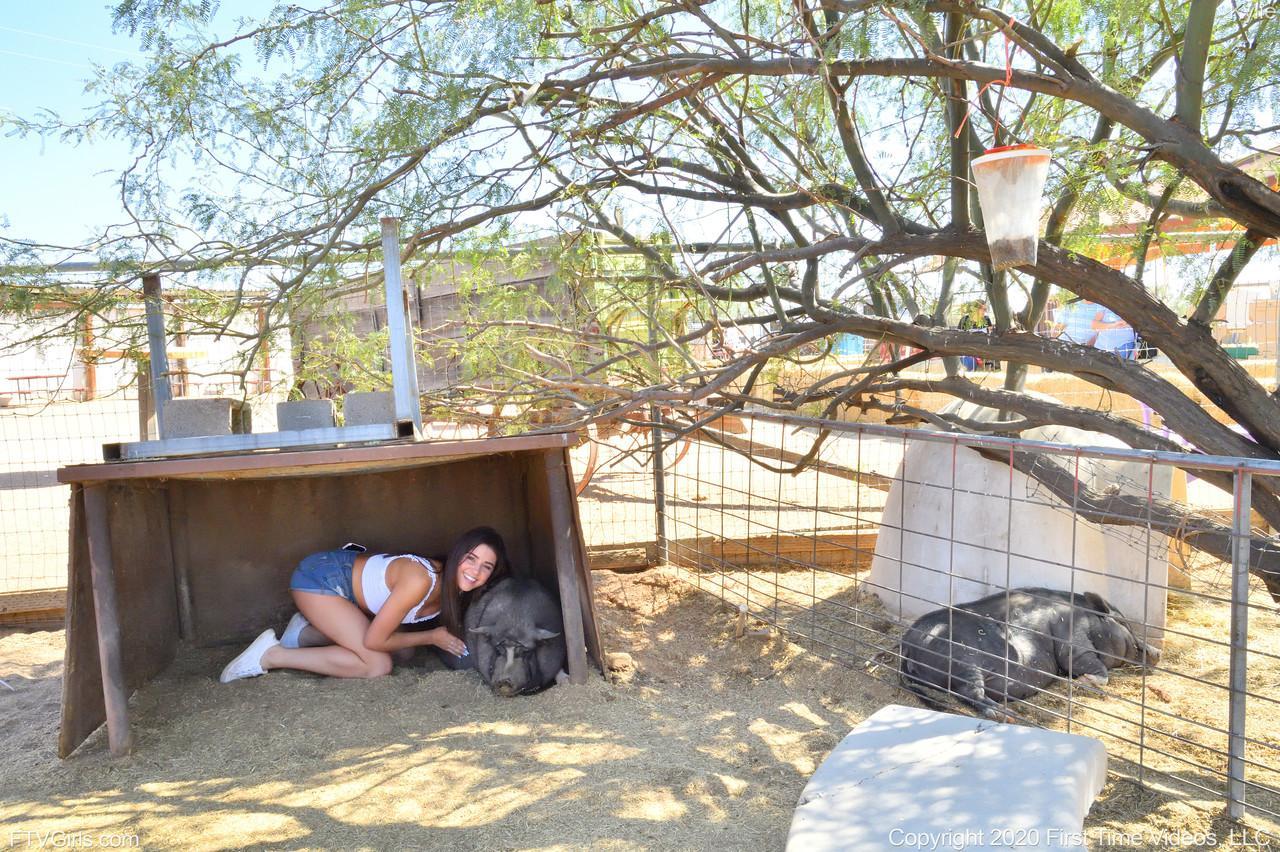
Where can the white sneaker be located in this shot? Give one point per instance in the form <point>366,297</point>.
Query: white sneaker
<point>249,663</point>
<point>292,632</point>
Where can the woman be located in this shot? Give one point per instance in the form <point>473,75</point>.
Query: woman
<point>351,606</point>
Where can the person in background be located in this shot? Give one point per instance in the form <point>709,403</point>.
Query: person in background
<point>1048,325</point>
<point>973,317</point>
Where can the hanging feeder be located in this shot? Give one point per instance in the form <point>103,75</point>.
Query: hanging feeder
<point>1010,183</point>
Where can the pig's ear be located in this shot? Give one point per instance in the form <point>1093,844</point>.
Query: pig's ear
<point>1097,604</point>
<point>541,635</point>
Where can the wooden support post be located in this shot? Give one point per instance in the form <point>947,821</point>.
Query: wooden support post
<point>264,352</point>
<point>115,695</point>
<point>586,590</point>
<point>563,534</point>
<point>178,381</point>
<point>89,358</point>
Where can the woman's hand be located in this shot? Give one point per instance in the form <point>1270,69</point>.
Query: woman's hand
<point>446,641</point>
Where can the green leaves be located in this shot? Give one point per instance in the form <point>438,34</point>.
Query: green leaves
<point>640,168</point>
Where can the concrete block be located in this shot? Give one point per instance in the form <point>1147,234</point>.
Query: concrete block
<point>300,414</point>
<point>368,408</point>
<point>196,418</point>
<point>907,778</point>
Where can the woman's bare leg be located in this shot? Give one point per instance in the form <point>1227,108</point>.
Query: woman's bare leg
<point>310,637</point>
<point>344,624</point>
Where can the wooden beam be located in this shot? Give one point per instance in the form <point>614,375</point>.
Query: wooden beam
<point>582,570</point>
<point>635,556</point>
<point>300,462</point>
<point>842,552</point>
<point>114,693</point>
<point>37,600</point>
<point>39,609</point>
<point>564,534</point>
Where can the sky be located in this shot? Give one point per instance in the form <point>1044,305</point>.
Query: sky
<point>52,191</point>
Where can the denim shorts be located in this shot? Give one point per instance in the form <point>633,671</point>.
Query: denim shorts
<point>326,573</point>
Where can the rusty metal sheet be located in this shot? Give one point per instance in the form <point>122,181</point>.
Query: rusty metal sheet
<point>224,547</point>
<point>145,594</point>
<point>237,542</point>
<point>311,462</point>
<point>143,560</point>
<point>83,709</point>
<point>540,547</point>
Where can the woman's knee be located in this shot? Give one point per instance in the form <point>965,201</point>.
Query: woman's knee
<point>376,664</point>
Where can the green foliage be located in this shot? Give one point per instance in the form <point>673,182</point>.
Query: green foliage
<point>526,144</point>
<point>343,361</point>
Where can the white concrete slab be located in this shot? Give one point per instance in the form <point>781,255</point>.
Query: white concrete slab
<point>909,778</point>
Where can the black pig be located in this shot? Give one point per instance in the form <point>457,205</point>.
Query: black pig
<point>514,633</point>
<point>1043,634</point>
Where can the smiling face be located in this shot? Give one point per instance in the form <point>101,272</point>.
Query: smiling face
<point>476,567</point>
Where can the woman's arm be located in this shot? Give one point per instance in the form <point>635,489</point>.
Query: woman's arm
<point>407,591</point>
<point>1100,321</point>
<point>399,639</point>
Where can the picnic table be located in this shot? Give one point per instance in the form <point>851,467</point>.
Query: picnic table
<point>26,386</point>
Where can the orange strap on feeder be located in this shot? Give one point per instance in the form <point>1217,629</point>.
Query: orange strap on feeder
<point>1008,78</point>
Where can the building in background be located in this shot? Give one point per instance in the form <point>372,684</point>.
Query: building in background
<point>45,356</point>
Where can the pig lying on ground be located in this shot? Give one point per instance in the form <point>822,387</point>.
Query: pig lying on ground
<point>1044,634</point>
<point>514,635</point>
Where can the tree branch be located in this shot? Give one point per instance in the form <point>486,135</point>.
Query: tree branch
<point>1191,62</point>
<point>1215,293</point>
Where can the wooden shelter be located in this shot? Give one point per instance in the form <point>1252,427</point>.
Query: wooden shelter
<point>201,548</point>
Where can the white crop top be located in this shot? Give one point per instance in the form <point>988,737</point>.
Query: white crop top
<point>373,582</point>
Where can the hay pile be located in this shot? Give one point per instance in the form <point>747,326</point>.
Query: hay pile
<point>699,740</point>
<point>702,741</point>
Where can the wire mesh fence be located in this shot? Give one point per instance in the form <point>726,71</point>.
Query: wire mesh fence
<point>844,534</point>
<point>38,435</point>
<point>889,526</point>
<point>615,484</point>
<point>35,440</point>
<point>613,474</point>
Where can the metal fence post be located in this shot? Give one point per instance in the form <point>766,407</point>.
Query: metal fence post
<point>659,491</point>
<point>1241,529</point>
<point>159,360</point>
<point>404,365</point>
<point>659,481</point>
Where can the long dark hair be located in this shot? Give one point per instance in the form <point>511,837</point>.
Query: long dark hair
<point>453,603</point>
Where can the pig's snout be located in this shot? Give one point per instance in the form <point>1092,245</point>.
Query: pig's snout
<point>507,678</point>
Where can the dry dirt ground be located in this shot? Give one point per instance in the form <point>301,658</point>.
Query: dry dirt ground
<point>703,742</point>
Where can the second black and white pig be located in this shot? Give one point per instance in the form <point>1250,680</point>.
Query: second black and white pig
<point>514,634</point>
<point>1044,634</point>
